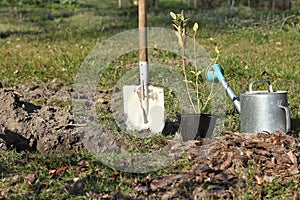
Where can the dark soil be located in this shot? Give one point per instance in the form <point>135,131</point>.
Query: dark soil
<point>37,117</point>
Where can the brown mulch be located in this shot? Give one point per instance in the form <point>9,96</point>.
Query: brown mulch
<point>236,164</point>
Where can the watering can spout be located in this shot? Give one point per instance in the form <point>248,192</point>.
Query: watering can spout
<point>215,74</point>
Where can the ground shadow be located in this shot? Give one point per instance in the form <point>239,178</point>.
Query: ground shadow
<point>171,127</point>
<point>15,141</point>
<point>4,170</point>
<point>7,34</point>
<point>30,108</point>
<point>296,125</point>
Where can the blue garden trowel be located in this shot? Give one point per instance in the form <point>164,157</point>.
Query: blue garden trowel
<point>215,73</point>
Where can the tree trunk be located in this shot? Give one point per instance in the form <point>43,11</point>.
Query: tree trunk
<point>195,3</point>
<point>120,3</point>
<point>206,3</point>
<point>188,3</point>
<point>273,4</point>
<point>231,3</point>
<point>155,2</point>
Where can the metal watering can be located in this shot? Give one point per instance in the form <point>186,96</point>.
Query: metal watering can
<point>265,110</point>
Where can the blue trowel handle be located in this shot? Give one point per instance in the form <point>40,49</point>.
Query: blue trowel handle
<point>215,74</point>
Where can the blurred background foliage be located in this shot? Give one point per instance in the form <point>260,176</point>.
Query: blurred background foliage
<point>260,4</point>
<point>35,2</point>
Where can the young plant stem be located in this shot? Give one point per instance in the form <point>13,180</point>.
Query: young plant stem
<point>210,96</point>
<point>185,76</point>
<point>197,75</point>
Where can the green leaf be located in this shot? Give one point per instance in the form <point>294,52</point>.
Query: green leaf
<point>182,17</point>
<point>182,13</point>
<point>173,15</point>
<point>175,26</point>
<point>176,22</point>
<point>195,27</point>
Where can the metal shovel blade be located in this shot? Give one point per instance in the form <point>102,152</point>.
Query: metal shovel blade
<point>139,116</point>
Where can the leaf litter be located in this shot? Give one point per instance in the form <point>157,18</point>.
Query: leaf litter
<point>233,160</point>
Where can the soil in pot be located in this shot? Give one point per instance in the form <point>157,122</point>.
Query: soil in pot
<point>193,126</point>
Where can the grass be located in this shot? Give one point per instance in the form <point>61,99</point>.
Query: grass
<point>97,174</point>
<point>41,44</point>
<point>99,179</point>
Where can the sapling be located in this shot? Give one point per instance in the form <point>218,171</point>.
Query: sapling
<point>180,24</point>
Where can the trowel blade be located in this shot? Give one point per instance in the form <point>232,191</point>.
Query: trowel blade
<point>134,112</point>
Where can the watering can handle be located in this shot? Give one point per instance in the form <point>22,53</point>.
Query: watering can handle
<point>287,117</point>
<point>261,81</point>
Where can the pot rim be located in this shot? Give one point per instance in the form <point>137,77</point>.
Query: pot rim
<point>201,114</point>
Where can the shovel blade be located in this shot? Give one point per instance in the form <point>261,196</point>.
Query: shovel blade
<point>135,114</point>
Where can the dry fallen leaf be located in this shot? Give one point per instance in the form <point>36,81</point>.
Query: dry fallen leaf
<point>227,162</point>
<point>249,153</point>
<point>169,180</point>
<point>292,157</point>
<point>262,152</point>
<point>76,186</point>
<point>260,180</point>
<point>268,179</point>
<point>31,177</point>
<point>52,172</point>
<point>199,179</point>
<point>169,195</point>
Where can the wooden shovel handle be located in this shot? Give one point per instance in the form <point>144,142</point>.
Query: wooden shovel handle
<point>143,31</point>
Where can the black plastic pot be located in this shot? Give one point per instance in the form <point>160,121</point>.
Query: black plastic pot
<point>193,126</point>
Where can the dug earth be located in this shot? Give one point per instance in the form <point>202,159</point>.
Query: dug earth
<point>37,117</point>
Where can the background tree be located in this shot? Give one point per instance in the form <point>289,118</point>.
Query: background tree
<point>150,3</point>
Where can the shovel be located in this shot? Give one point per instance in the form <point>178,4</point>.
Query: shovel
<point>143,104</point>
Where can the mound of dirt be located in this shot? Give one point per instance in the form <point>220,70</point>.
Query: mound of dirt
<point>45,125</point>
